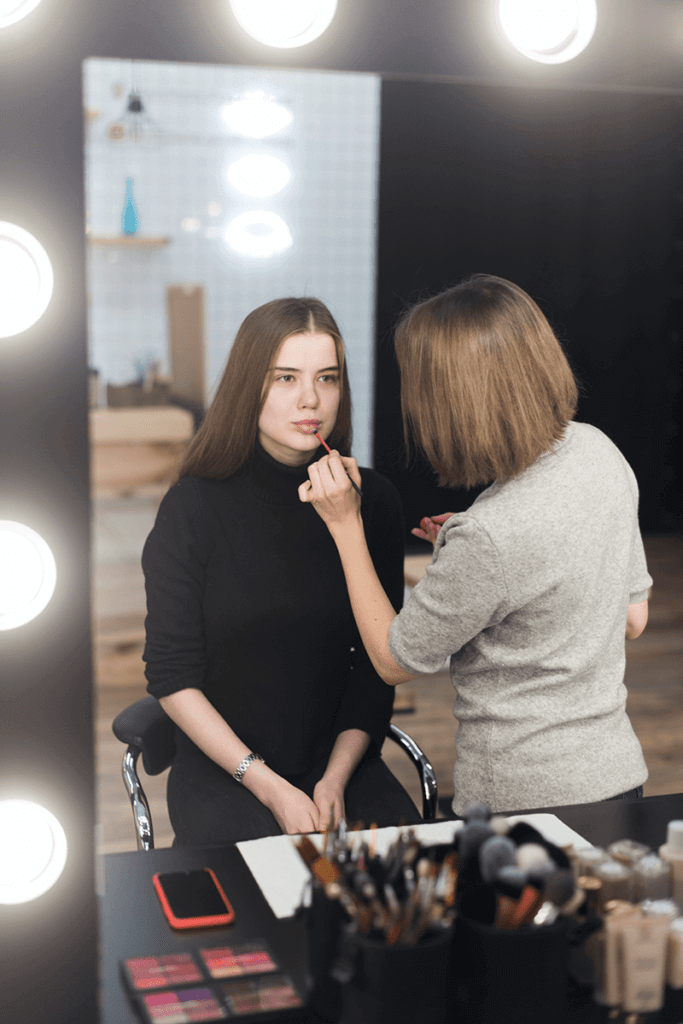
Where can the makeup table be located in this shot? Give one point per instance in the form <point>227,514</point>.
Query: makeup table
<point>132,923</point>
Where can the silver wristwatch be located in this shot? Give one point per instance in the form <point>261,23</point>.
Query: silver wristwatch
<point>243,765</point>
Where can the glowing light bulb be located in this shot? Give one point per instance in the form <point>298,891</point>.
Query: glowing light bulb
<point>27,574</point>
<point>26,280</point>
<point>551,33</point>
<point>258,233</point>
<point>259,175</point>
<point>15,10</point>
<point>284,23</point>
<point>32,850</point>
<point>256,115</point>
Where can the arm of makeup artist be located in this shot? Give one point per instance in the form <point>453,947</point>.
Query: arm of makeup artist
<point>334,499</point>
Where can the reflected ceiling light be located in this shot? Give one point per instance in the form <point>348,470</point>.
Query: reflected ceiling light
<point>256,115</point>
<point>550,33</point>
<point>258,233</point>
<point>26,280</point>
<point>259,175</point>
<point>15,10</point>
<point>32,850</point>
<point>190,224</point>
<point>284,23</point>
<point>27,574</point>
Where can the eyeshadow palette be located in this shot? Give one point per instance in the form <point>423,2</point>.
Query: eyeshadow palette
<point>214,983</point>
<point>260,995</point>
<point>182,1006</point>
<point>149,972</point>
<point>238,959</point>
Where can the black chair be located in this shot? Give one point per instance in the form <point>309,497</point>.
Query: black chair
<point>146,729</point>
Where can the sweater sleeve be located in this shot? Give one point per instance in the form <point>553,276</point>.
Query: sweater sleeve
<point>462,592</point>
<point>367,702</point>
<point>173,561</point>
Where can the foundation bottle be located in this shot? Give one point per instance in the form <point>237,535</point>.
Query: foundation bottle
<point>672,851</point>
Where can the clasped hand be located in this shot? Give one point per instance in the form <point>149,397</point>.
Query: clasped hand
<point>329,488</point>
<point>296,813</point>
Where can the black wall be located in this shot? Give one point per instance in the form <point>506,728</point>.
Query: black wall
<point>577,196</point>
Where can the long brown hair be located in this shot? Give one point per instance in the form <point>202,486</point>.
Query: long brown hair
<point>485,385</point>
<point>228,434</point>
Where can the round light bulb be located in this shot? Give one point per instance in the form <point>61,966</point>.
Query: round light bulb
<point>550,33</point>
<point>15,10</point>
<point>284,23</point>
<point>26,280</point>
<point>27,574</point>
<point>259,175</point>
<point>32,850</point>
<point>256,115</point>
<point>258,233</point>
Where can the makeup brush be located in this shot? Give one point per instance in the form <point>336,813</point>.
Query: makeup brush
<point>329,451</point>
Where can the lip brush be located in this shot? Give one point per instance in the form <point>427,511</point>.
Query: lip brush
<point>329,450</point>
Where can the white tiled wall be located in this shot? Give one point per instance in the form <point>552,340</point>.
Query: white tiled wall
<point>329,206</point>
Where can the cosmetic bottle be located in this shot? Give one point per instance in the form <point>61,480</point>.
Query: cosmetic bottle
<point>672,850</point>
<point>651,878</point>
<point>587,859</point>
<point>616,880</point>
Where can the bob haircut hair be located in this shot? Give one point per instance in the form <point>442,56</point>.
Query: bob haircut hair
<point>227,437</point>
<point>485,385</point>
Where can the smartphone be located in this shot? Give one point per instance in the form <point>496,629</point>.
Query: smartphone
<point>193,899</point>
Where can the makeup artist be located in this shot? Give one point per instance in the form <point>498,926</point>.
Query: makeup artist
<point>533,589</point>
<point>251,645</point>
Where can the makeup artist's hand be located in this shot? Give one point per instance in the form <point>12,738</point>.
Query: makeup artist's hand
<point>329,489</point>
<point>328,797</point>
<point>293,810</point>
<point>430,526</point>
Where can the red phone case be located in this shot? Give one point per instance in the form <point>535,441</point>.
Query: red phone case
<point>208,921</point>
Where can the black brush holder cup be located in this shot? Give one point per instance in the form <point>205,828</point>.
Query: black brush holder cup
<point>399,984</point>
<point>326,921</point>
<point>520,977</point>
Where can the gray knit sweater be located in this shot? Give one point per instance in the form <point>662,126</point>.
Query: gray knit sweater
<point>528,593</point>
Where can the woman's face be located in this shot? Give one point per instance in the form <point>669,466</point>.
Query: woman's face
<point>303,396</point>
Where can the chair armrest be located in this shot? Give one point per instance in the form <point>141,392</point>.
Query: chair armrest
<point>146,726</point>
<point>425,771</point>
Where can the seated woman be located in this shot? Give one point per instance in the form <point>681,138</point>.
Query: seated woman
<point>251,646</point>
<point>532,590</point>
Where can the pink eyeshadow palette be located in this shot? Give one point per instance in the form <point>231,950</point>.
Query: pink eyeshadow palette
<point>146,972</point>
<point>182,1006</point>
<point>245,958</point>
<point>260,995</point>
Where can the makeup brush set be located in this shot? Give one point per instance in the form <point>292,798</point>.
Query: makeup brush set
<point>499,923</point>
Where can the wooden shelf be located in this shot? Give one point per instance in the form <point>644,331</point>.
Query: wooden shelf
<point>130,241</point>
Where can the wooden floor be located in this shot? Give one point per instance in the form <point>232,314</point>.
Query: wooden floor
<point>654,678</point>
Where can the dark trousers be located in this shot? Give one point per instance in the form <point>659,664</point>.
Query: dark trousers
<point>207,807</point>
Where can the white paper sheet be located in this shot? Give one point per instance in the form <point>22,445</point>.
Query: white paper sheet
<point>283,877</point>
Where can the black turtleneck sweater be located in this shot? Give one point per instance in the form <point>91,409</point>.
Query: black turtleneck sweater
<point>246,601</point>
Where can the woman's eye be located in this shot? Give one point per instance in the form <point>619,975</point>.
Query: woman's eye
<point>329,378</point>
<point>285,377</point>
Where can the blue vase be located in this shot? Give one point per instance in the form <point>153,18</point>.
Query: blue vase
<point>130,221</point>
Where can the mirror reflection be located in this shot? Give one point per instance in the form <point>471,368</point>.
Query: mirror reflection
<point>209,191</point>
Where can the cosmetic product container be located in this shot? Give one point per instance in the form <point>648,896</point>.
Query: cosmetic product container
<point>616,880</point>
<point>672,851</point>
<point>674,964</point>
<point>627,851</point>
<point>643,948</point>
<point>651,878</point>
<point>587,859</point>
<point>660,908</point>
